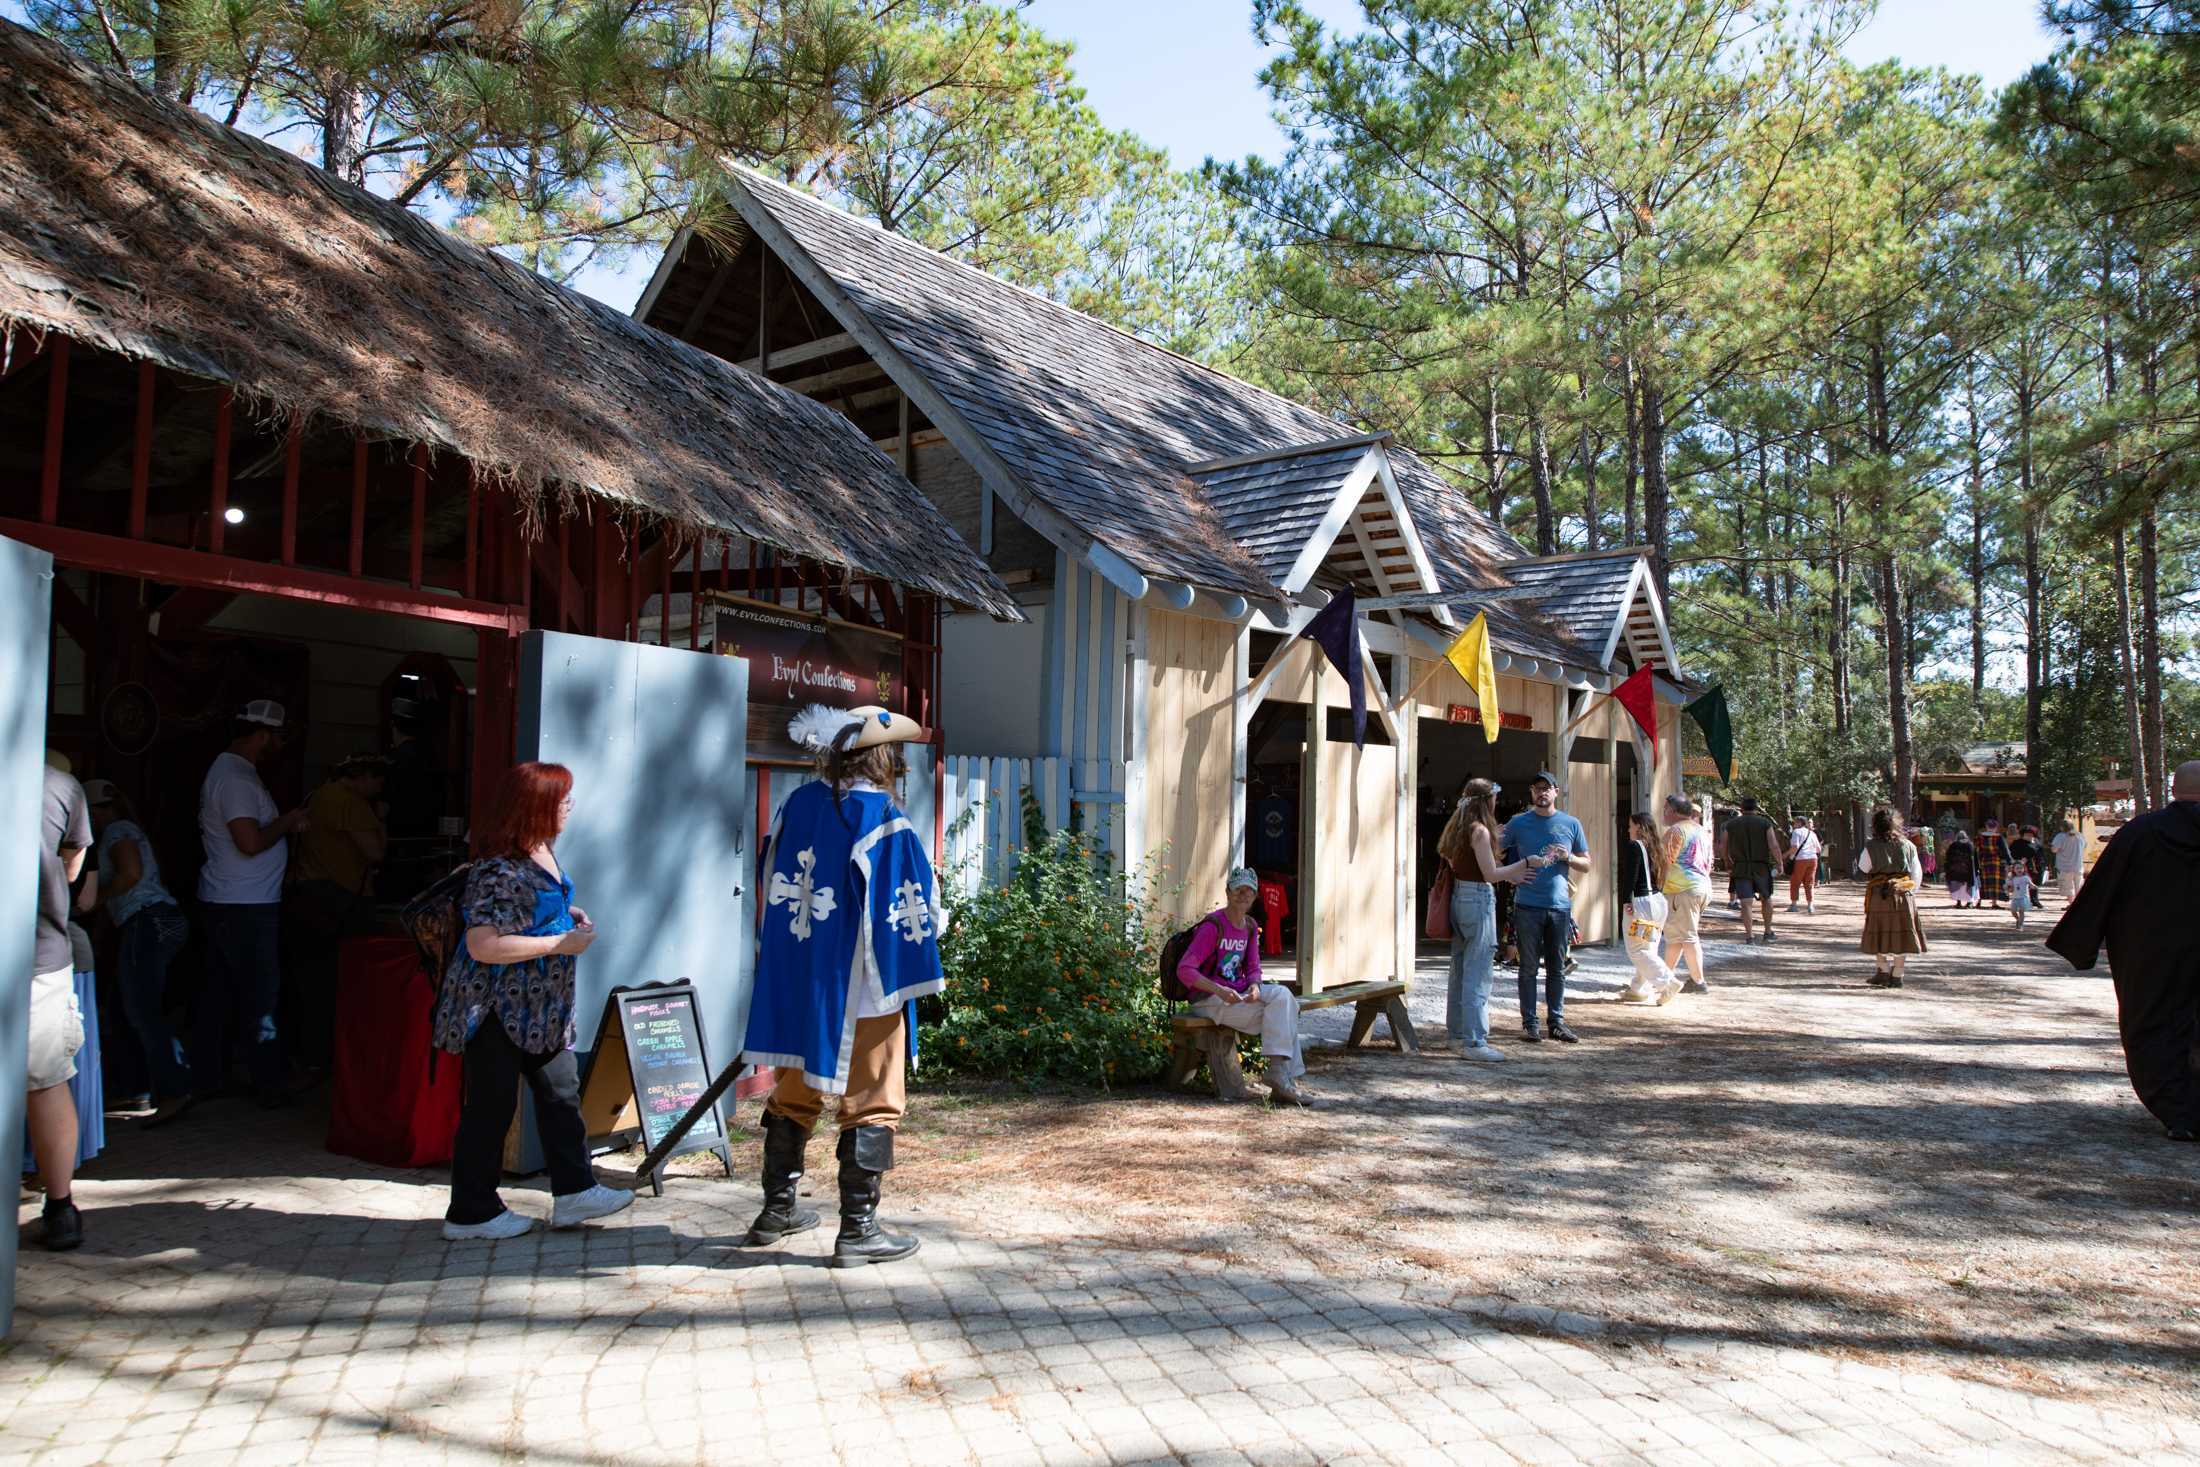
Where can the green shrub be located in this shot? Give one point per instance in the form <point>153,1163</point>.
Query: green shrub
<point>1052,976</point>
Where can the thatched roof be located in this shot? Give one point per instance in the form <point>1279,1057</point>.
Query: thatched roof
<point>143,227</point>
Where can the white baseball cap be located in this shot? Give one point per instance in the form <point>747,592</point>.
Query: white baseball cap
<point>263,711</point>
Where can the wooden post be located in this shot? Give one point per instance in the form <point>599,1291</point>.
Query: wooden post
<point>293,447</point>
<point>473,528</point>
<point>1310,824</point>
<point>57,420</point>
<point>141,450</point>
<point>419,534</point>
<point>218,489</point>
<point>358,504</point>
<point>1407,735</point>
<point>564,570</point>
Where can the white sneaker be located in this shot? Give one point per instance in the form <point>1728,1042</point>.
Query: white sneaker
<point>579,1207</point>
<point>506,1224</point>
<point>1482,1053</point>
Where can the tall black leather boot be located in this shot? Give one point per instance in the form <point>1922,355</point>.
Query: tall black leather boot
<point>866,1154</point>
<point>783,1210</point>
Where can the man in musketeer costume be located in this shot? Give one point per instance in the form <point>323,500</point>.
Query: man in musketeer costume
<point>849,943</point>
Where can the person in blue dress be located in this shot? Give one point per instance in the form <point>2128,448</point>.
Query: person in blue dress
<point>849,941</point>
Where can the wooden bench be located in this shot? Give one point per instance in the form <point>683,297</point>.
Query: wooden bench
<point>1194,1041</point>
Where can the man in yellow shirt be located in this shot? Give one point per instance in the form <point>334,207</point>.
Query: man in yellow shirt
<point>335,863</point>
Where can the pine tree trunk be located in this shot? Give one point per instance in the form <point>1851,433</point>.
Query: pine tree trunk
<point>1493,482</point>
<point>1589,507</point>
<point>1898,692</point>
<point>343,140</point>
<point>1977,565</point>
<point>2141,780</point>
<point>2150,663</point>
<point>1632,462</point>
<point>1656,508</point>
<point>2035,632</point>
<point>1539,483</point>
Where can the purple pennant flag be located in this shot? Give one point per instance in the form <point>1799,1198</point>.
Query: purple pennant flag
<point>1337,630</point>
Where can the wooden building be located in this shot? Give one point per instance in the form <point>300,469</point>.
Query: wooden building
<point>264,434</point>
<point>1169,529</point>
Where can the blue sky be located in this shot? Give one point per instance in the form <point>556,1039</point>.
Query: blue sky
<point>1183,73</point>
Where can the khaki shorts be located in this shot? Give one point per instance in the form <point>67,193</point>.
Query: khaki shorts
<point>1686,922</point>
<point>57,1029</point>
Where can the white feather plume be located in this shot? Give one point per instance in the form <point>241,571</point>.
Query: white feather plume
<point>816,726</point>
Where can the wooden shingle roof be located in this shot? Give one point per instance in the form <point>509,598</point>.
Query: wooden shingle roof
<point>1123,440</point>
<point>149,229</point>
<point>1100,424</point>
<point>1601,599</point>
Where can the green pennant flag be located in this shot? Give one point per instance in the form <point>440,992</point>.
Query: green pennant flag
<point>1711,715</point>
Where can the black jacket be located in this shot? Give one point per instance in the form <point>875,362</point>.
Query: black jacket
<point>2139,897</point>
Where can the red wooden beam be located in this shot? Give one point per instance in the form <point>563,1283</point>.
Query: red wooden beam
<point>57,412</point>
<point>664,598</point>
<point>419,511</point>
<point>218,490</point>
<point>292,447</point>
<point>141,451</point>
<point>176,566</point>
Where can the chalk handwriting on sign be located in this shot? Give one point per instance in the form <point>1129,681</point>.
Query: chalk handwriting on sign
<point>808,901</point>
<point>1468,713</point>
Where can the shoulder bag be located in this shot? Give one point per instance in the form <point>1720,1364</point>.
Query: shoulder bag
<point>1436,921</point>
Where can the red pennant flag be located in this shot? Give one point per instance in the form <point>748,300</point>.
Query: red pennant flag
<point>1640,699</point>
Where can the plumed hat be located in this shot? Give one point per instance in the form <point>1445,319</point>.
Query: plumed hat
<point>818,727</point>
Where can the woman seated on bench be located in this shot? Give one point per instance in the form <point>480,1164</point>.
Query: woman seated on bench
<point>1223,966</point>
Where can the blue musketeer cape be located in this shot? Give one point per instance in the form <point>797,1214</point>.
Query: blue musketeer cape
<point>851,921</point>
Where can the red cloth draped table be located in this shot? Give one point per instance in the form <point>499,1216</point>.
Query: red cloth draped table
<point>383,1107</point>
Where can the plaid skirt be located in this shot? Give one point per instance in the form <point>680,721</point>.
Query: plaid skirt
<point>1890,921</point>
<point>1993,872</point>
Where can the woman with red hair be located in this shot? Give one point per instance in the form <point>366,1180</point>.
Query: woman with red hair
<point>507,1006</point>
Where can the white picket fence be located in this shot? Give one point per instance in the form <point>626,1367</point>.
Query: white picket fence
<point>984,804</point>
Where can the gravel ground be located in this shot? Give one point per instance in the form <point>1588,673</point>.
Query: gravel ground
<point>1954,1176</point>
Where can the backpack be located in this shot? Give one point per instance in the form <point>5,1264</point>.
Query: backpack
<point>433,921</point>
<point>1172,957</point>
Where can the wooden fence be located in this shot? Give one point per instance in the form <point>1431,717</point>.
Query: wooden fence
<point>984,805</point>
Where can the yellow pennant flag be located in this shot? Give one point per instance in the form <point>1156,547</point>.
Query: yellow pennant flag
<point>1470,654</point>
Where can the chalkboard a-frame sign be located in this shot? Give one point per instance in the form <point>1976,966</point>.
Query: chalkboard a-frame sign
<point>649,1067</point>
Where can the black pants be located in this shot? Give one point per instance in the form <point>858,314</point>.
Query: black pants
<point>317,917</point>
<point>494,1068</point>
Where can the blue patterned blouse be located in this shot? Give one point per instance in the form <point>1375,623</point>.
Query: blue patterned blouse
<point>534,999</point>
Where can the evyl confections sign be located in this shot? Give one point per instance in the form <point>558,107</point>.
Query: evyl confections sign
<point>795,659</point>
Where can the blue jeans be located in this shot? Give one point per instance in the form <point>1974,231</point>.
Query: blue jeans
<point>1542,933</point>
<point>150,941</point>
<point>244,973</point>
<point>1473,947</point>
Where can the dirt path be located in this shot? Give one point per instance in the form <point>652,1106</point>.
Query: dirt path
<point>1955,1175</point>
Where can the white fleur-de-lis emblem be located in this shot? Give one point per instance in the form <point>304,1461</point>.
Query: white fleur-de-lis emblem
<point>803,895</point>
<point>910,914</point>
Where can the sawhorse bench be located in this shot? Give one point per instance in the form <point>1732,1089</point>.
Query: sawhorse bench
<point>1194,1041</point>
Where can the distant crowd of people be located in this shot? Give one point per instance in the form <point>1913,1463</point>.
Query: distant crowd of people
<point>271,925</point>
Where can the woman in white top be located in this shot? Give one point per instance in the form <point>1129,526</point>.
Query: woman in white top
<point>2069,849</point>
<point>1803,866</point>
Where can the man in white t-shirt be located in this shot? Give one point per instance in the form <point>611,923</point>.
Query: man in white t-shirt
<point>241,894</point>
<point>2069,851</point>
<point>1803,853</point>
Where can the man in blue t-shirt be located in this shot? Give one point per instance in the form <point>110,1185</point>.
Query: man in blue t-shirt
<point>1554,846</point>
